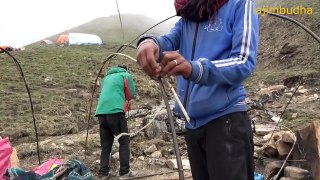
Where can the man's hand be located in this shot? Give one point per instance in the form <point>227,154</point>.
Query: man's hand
<point>147,56</point>
<point>175,64</point>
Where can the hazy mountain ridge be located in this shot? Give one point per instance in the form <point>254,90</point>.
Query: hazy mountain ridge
<point>109,28</point>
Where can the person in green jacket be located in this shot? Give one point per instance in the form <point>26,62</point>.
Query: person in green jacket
<point>116,91</point>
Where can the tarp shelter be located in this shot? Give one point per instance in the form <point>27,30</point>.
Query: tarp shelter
<point>79,39</point>
<point>46,42</point>
<point>7,48</point>
<point>63,39</point>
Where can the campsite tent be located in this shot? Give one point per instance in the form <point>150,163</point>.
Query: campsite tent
<point>45,42</point>
<point>62,39</point>
<point>79,39</point>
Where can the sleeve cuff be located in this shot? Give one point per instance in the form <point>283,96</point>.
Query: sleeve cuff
<point>144,37</point>
<point>197,71</point>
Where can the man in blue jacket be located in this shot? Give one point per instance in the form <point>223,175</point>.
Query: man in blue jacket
<point>217,43</point>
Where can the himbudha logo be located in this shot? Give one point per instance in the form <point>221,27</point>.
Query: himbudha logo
<point>284,10</point>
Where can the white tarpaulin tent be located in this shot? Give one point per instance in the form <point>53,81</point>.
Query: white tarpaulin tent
<point>80,38</point>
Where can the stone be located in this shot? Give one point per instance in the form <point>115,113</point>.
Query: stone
<point>156,129</point>
<point>54,146</point>
<point>151,161</point>
<point>288,94</point>
<point>147,106</point>
<point>48,79</point>
<point>141,158</point>
<point>96,153</point>
<point>264,129</point>
<point>269,160</point>
<point>280,143</point>
<point>160,162</point>
<point>156,154</point>
<point>271,89</point>
<point>135,113</point>
<point>283,148</point>
<point>45,142</point>
<point>258,141</point>
<point>150,149</point>
<point>302,91</point>
<point>116,156</point>
<point>270,150</point>
<point>287,137</point>
<point>308,148</point>
<point>258,152</point>
<point>287,178</point>
<point>272,169</point>
<point>62,148</point>
<point>313,97</point>
<point>172,164</point>
<point>267,137</point>
<point>69,142</point>
<point>276,119</point>
<point>294,115</point>
<point>295,172</point>
<point>162,115</point>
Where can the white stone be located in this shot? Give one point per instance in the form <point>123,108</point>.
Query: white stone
<point>276,119</point>
<point>295,172</point>
<point>172,164</point>
<point>116,156</point>
<point>156,154</point>
<point>150,149</point>
<point>68,142</point>
<point>141,158</point>
<point>294,115</point>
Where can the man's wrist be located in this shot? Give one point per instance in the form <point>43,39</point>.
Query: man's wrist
<point>188,71</point>
<point>148,41</point>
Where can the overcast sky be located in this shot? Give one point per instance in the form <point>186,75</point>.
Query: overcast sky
<point>25,21</point>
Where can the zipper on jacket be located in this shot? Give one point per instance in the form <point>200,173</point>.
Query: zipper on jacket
<point>186,96</point>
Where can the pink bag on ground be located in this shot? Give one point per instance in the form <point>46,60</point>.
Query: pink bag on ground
<point>5,153</point>
<point>47,166</point>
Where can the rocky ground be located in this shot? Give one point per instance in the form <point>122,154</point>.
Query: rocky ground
<point>152,148</point>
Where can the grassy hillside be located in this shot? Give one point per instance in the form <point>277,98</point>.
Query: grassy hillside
<point>285,52</point>
<point>285,49</point>
<point>109,28</point>
<point>61,80</point>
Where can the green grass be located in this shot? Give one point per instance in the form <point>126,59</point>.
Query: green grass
<point>61,80</point>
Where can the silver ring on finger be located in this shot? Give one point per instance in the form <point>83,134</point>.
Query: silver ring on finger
<point>176,62</point>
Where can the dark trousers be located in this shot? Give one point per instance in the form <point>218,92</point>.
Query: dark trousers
<point>222,149</point>
<point>110,125</point>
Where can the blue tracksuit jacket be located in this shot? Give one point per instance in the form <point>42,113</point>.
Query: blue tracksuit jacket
<point>225,51</point>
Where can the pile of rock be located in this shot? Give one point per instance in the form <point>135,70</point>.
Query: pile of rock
<point>302,148</point>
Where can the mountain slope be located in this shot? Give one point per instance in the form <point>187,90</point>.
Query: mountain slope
<point>109,28</point>
<point>285,49</point>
